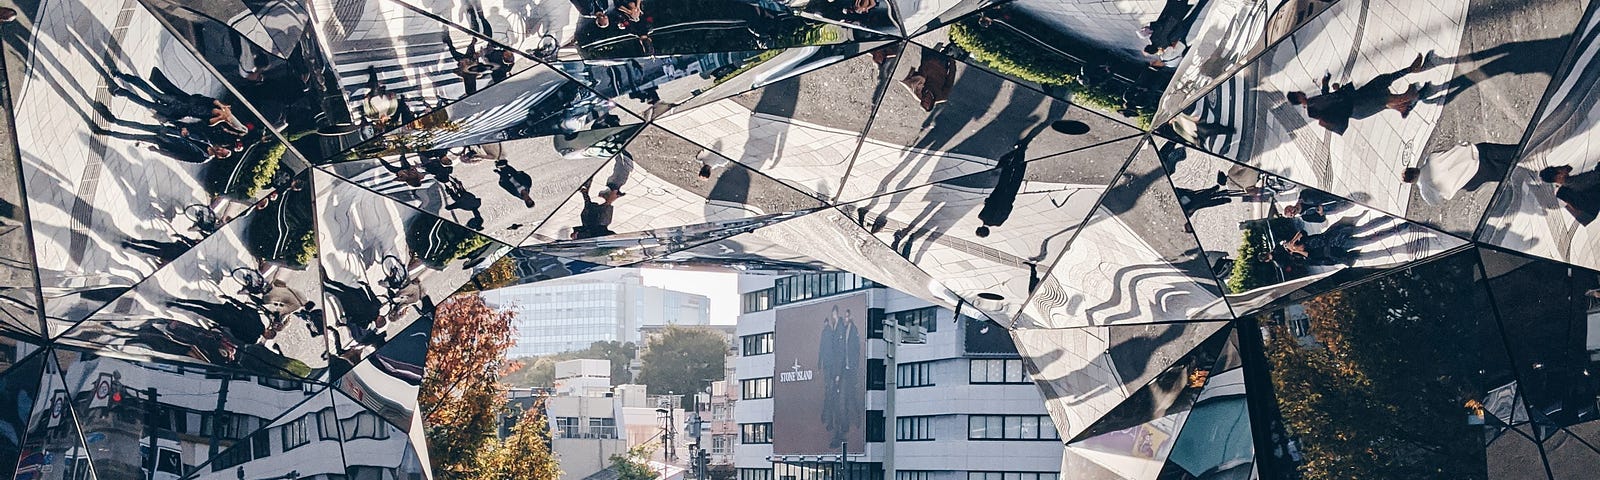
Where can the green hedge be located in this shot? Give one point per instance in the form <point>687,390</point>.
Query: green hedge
<point>453,242</point>
<point>1248,273</point>
<point>1010,54</point>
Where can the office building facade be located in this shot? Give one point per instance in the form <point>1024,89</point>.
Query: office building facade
<point>965,408</point>
<point>559,316</point>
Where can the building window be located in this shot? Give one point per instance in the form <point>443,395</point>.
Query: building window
<point>926,318</point>
<point>799,288</point>
<point>603,427</point>
<point>919,374</point>
<point>364,425</point>
<point>1011,427</point>
<point>755,433</point>
<point>298,432</point>
<point>876,371</point>
<point>327,424</point>
<point>1011,476</point>
<point>756,301</point>
<point>755,388</point>
<point>755,474</point>
<point>568,426</point>
<point>913,428</point>
<point>996,370</point>
<point>758,344</point>
<point>913,475</point>
<point>721,445</point>
<point>875,425</point>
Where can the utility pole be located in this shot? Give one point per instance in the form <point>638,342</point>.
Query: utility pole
<point>216,426</point>
<point>150,410</point>
<point>896,334</point>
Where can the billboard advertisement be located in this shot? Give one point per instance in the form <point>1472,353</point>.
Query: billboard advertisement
<point>819,388</point>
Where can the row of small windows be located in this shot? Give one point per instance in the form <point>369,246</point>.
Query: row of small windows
<point>1011,427</point>
<point>998,371</point>
<point>982,371</point>
<point>1012,476</point>
<point>913,428</point>
<point>758,344</point>
<point>798,288</point>
<point>927,318</point>
<point>928,475</point>
<point>755,388</point>
<point>321,425</point>
<point>755,474</point>
<point>755,433</point>
<point>917,374</point>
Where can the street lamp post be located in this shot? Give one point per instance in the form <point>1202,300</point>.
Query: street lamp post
<point>896,335</point>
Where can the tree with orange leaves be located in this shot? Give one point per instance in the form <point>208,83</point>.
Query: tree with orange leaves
<point>461,396</point>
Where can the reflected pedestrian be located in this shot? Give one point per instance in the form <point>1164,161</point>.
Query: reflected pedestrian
<point>1323,249</point>
<point>1462,168</point>
<point>380,104</point>
<point>182,143</point>
<point>438,164</point>
<point>405,172</point>
<point>516,182</point>
<point>997,206</point>
<point>252,65</point>
<point>1195,200</point>
<point>710,161</point>
<point>1338,104</point>
<point>173,104</point>
<point>1314,206</point>
<point>621,169</point>
<point>1579,194</point>
<point>1171,27</point>
<point>468,68</point>
<point>464,200</point>
<point>595,219</point>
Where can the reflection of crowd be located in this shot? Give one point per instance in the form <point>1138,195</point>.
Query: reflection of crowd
<point>194,128</point>
<point>1169,29</point>
<point>495,60</point>
<point>628,16</point>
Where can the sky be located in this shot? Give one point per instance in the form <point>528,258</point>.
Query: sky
<point>722,288</point>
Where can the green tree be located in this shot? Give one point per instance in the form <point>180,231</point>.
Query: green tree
<point>540,371</point>
<point>680,359</point>
<point>525,454</point>
<point>634,465</point>
<point>461,396</point>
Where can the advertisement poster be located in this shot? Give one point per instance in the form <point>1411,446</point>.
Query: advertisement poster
<point>819,388</point>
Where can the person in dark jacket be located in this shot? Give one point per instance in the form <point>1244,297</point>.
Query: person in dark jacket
<point>1579,194</point>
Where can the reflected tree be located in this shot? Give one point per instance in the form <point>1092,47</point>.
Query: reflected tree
<point>1380,380</point>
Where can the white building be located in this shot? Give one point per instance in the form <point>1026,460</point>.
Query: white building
<point>593,420</point>
<point>964,401</point>
<point>572,313</point>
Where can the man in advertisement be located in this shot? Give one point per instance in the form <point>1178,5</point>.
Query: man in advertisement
<point>820,388</point>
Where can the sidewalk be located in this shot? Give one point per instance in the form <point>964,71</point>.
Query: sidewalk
<point>80,221</point>
<point>1355,41</point>
<point>1525,215</point>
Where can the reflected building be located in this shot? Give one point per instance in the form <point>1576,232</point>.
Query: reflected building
<point>228,228</point>
<point>611,306</point>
